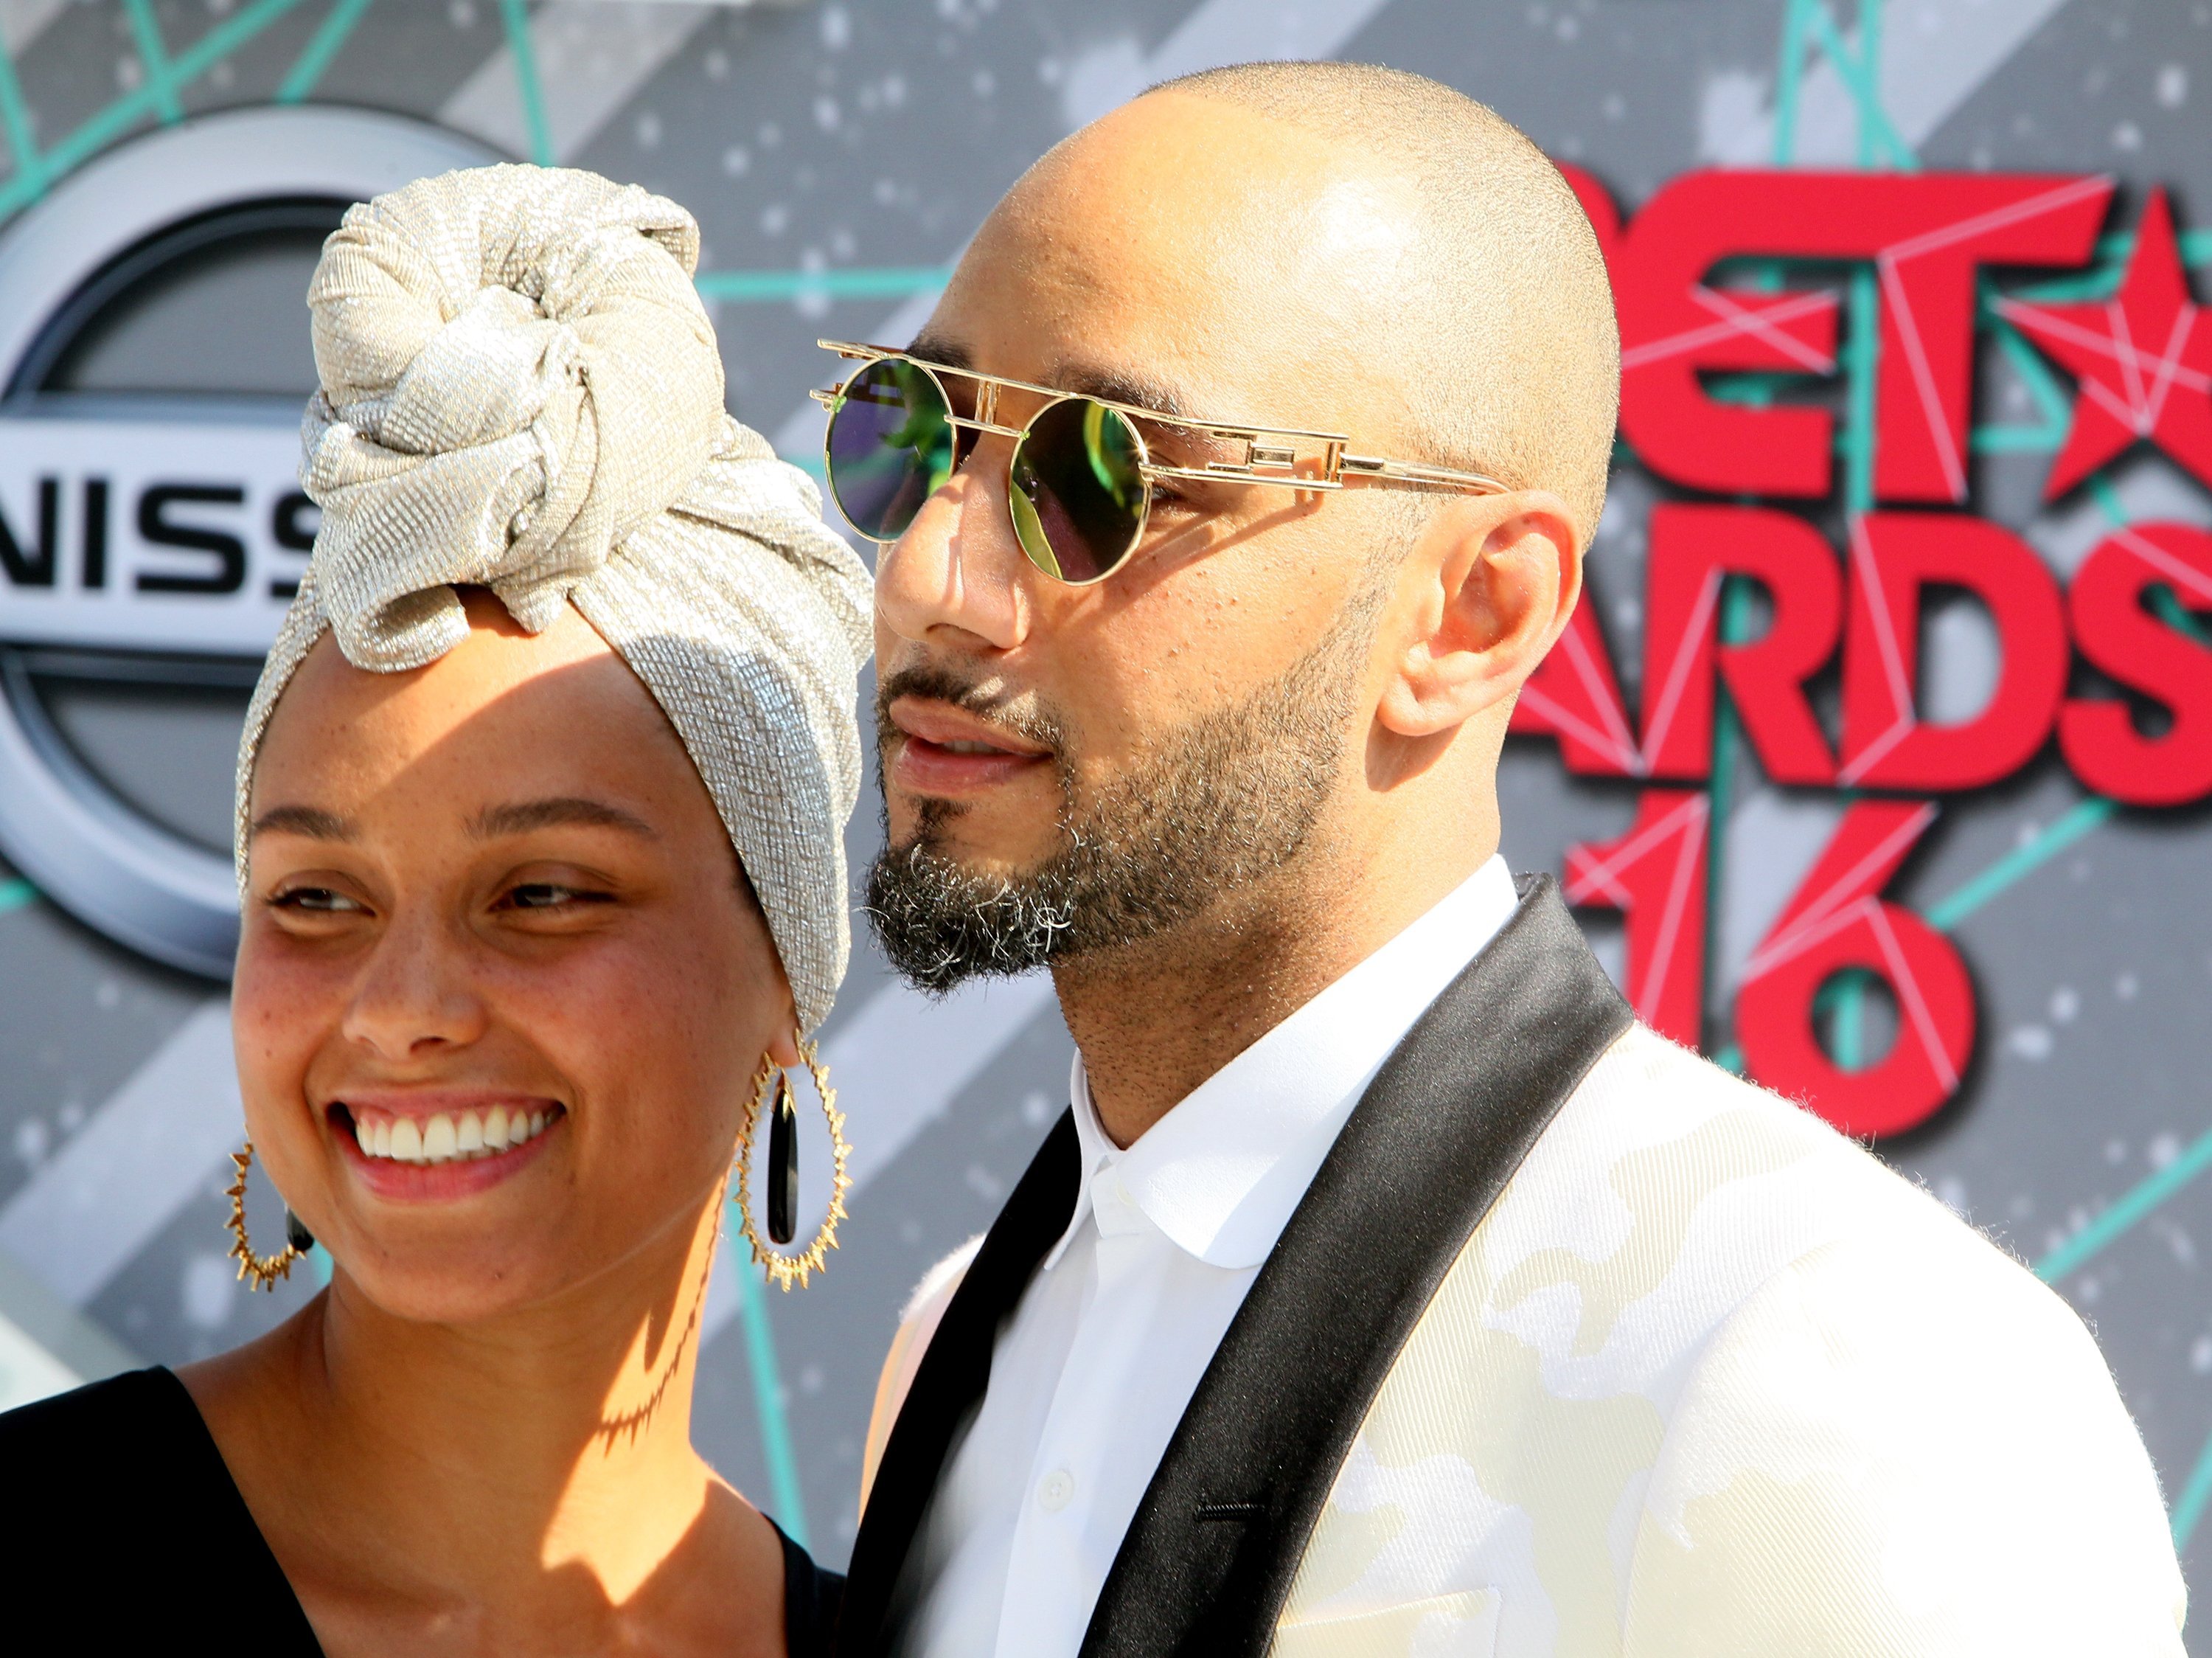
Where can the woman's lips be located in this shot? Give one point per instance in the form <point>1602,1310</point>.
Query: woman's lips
<point>448,1153</point>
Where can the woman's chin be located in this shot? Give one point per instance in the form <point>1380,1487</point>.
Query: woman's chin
<point>452,1278</point>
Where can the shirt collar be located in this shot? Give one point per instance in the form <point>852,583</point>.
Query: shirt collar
<point>1221,1172</point>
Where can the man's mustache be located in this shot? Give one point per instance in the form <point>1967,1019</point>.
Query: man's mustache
<point>1016,712</point>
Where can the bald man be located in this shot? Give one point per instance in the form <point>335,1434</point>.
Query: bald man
<point>1387,1288</point>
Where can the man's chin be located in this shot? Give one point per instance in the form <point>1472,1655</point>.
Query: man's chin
<point>983,844</point>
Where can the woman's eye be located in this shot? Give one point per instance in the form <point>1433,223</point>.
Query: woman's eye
<point>316,900</point>
<point>548,895</point>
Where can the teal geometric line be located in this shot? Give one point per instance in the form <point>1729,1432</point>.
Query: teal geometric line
<point>1720,782</point>
<point>767,1406</point>
<point>516,21</point>
<point>2020,862</point>
<point>1859,71</point>
<point>2107,499</point>
<point>1860,348</point>
<point>2077,1251</point>
<point>320,50</point>
<point>15,894</point>
<point>2189,1508</point>
<point>16,122</point>
<point>156,59</point>
<point>891,282</point>
<point>1788,76</point>
<point>118,117</point>
<point>2166,606</point>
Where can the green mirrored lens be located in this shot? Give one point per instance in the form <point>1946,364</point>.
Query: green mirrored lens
<point>891,447</point>
<point>1080,490</point>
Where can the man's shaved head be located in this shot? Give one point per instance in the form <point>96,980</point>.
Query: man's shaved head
<point>1502,321</point>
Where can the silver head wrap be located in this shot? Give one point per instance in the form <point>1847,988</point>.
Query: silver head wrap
<point>521,390</point>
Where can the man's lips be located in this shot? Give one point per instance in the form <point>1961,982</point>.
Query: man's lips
<point>943,750</point>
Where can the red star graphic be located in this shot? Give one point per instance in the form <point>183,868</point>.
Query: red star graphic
<point>2143,359</point>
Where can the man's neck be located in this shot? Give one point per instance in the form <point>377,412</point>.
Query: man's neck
<point>1154,1020</point>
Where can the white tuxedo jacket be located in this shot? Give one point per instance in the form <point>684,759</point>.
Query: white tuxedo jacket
<point>1583,1348</point>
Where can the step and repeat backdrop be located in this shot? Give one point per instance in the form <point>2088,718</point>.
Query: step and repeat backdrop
<point>1877,761</point>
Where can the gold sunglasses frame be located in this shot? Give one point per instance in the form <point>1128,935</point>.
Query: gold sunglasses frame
<point>1272,454</point>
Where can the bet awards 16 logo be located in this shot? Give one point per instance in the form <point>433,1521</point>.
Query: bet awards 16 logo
<point>1732,291</point>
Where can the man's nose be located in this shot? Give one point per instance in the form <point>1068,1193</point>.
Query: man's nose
<point>958,578</point>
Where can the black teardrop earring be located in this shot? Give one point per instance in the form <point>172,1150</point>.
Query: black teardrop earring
<point>783,1166</point>
<point>295,1234</point>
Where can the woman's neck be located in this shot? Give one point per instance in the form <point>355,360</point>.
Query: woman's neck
<point>532,1471</point>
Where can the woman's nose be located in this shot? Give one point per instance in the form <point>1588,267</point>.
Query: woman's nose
<point>414,994</point>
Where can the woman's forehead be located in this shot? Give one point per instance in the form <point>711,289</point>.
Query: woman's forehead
<point>504,714</point>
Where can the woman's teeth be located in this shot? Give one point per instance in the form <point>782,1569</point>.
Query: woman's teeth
<point>447,1138</point>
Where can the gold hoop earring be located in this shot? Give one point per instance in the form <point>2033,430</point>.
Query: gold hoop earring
<point>773,1079</point>
<point>263,1271</point>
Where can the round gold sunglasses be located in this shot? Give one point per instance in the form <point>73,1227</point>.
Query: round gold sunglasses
<point>1079,476</point>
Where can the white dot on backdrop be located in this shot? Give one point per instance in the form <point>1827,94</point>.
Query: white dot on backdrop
<point>1568,26</point>
<point>886,192</point>
<point>648,131</point>
<point>984,1184</point>
<point>209,1287</point>
<point>462,15</point>
<point>1953,1192</point>
<point>2163,1149</point>
<point>2125,987</point>
<point>31,1141</point>
<point>2031,1042</point>
<point>826,114</point>
<point>985,84</point>
<point>1035,1109</point>
<point>775,218</point>
<point>716,62</point>
<point>2064,1005</point>
<point>2200,1355</point>
<point>2127,135</point>
<point>2116,1152</point>
<point>836,27</point>
<point>2172,85</point>
<point>737,161</point>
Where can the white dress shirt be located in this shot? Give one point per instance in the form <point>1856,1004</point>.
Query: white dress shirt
<point>1091,1375</point>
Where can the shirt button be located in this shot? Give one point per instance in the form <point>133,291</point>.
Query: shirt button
<point>1056,1489</point>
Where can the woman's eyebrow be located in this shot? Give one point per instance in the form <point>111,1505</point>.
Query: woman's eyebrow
<point>311,821</point>
<point>558,810</point>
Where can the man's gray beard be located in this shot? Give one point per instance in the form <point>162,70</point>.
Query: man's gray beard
<point>1225,801</point>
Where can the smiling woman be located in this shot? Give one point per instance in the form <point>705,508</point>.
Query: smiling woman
<point>539,811</point>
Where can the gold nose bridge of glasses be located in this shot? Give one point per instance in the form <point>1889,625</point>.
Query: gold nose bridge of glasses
<point>1272,454</point>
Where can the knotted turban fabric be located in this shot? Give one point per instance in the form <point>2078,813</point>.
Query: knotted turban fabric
<point>521,390</point>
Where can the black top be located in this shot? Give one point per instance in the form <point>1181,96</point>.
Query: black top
<point>130,1530</point>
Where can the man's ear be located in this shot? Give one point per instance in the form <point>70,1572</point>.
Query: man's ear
<point>1496,580</point>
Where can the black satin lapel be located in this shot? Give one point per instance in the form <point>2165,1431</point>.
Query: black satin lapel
<point>953,1374</point>
<point>1208,1562</point>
